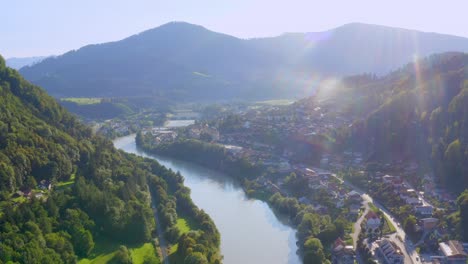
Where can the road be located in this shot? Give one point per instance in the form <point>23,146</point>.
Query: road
<point>162,241</point>
<point>411,256</point>
<point>357,225</point>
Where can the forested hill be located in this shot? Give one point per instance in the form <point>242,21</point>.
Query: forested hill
<point>418,113</point>
<point>97,193</point>
<point>188,62</point>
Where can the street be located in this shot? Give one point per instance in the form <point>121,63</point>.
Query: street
<point>408,250</point>
<point>162,241</point>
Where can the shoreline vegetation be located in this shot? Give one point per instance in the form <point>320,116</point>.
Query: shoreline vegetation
<point>67,195</point>
<point>314,232</point>
<point>191,232</point>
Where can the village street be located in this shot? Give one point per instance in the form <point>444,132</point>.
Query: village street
<point>411,256</point>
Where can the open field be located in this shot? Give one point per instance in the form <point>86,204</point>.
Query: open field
<point>373,207</point>
<point>388,227</point>
<point>184,225</point>
<point>105,250</point>
<point>82,100</point>
<point>65,184</point>
<point>139,254</point>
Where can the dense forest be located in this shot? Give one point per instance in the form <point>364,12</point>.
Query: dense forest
<point>418,113</point>
<point>210,155</point>
<point>62,187</point>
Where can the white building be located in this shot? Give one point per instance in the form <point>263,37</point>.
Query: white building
<point>373,222</point>
<point>390,252</point>
<point>425,210</point>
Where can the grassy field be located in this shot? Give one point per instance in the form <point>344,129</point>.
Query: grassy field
<point>66,184</point>
<point>373,207</point>
<point>184,225</point>
<point>82,100</point>
<point>139,254</point>
<point>349,229</point>
<point>105,250</point>
<point>388,227</point>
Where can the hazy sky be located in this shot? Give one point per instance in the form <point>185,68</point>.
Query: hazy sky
<point>45,27</point>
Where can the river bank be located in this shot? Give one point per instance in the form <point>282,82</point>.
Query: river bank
<point>250,231</point>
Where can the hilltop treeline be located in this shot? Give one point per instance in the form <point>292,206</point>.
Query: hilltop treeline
<point>418,113</point>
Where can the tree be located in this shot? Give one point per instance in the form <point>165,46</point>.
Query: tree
<point>83,242</point>
<point>31,182</point>
<point>409,224</point>
<point>122,256</point>
<point>329,234</point>
<point>196,258</point>
<point>453,159</point>
<point>313,251</point>
<point>462,203</point>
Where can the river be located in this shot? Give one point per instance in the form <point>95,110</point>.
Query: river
<point>250,232</point>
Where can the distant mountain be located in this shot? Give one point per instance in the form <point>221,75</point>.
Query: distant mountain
<point>18,63</point>
<point>184,61</point>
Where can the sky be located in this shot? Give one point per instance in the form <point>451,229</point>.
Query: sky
<point>53,27</point>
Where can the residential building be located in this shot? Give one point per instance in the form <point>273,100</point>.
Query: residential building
<point>372,222</point>
<point>342,253</point>
<point>453,252</point>
<point>354,209</point>
<point>353,195</point>
<point>390,252</point>
<point>429,223</point>
<point>424,210</point>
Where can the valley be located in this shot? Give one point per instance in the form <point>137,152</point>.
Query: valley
<point>256,228</point>
<point>264,150</point>
<point>280,133</point>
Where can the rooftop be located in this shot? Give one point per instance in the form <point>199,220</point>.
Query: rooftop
<point>452,248</point>
<point>371,214</point>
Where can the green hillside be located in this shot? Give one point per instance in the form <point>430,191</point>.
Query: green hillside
<point>418,113</point>
<point>97,193</point>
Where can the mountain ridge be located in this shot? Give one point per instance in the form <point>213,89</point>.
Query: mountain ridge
<point>163,61</point>
<point>19,62</point>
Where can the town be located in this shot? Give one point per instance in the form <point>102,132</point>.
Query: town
<point>395,218</point>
